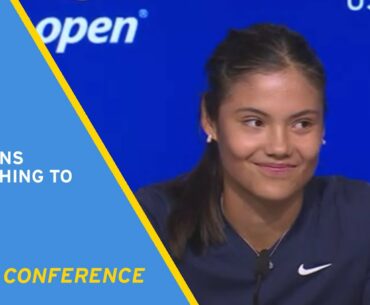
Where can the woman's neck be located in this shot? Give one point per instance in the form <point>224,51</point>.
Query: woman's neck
<point>260,222</point>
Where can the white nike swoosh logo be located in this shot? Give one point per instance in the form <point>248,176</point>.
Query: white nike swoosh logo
<point>303,271</point>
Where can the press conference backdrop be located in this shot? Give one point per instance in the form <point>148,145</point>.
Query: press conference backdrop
<point>137,68</point>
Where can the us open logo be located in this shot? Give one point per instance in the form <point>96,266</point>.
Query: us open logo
<point>102,30</point>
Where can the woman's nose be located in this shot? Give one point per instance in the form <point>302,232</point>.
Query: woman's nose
<point>278,143</point>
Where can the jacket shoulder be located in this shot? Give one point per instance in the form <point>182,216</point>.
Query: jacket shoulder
<point>351,192</point>
<point>156,203</point>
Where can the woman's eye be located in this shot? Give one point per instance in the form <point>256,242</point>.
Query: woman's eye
<point>253,122</point>
<point>302,124</point>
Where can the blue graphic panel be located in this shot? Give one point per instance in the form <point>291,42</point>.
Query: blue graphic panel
<point>80,219</point>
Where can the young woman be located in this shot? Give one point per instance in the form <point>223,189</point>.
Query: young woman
<point>250,224</point>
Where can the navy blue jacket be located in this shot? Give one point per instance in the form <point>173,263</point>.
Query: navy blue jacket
<point>333,227</point>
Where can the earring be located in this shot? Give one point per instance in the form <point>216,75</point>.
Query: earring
<point>209,139</point>
<point>323,142</point>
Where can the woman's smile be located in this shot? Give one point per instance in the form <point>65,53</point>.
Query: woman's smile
<point>276,169</point>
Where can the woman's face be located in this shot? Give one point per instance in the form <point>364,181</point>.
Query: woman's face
<point>269,132</point>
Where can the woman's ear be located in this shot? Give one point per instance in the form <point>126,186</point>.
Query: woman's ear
<point>209,126</point>
<point>323,141</point>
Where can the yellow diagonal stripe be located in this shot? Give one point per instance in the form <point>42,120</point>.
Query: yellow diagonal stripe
<point>103,151</point>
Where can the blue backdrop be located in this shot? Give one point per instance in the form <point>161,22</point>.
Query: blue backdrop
<point>137,69</point>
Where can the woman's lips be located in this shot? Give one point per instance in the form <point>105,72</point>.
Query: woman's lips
<point>276,168</point>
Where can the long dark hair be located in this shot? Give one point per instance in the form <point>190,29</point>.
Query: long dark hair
<point>196,219</point>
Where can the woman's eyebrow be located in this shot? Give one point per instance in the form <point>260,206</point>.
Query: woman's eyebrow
<point>260,112</point>
<point>251,109</point>
<point>305,112</point>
